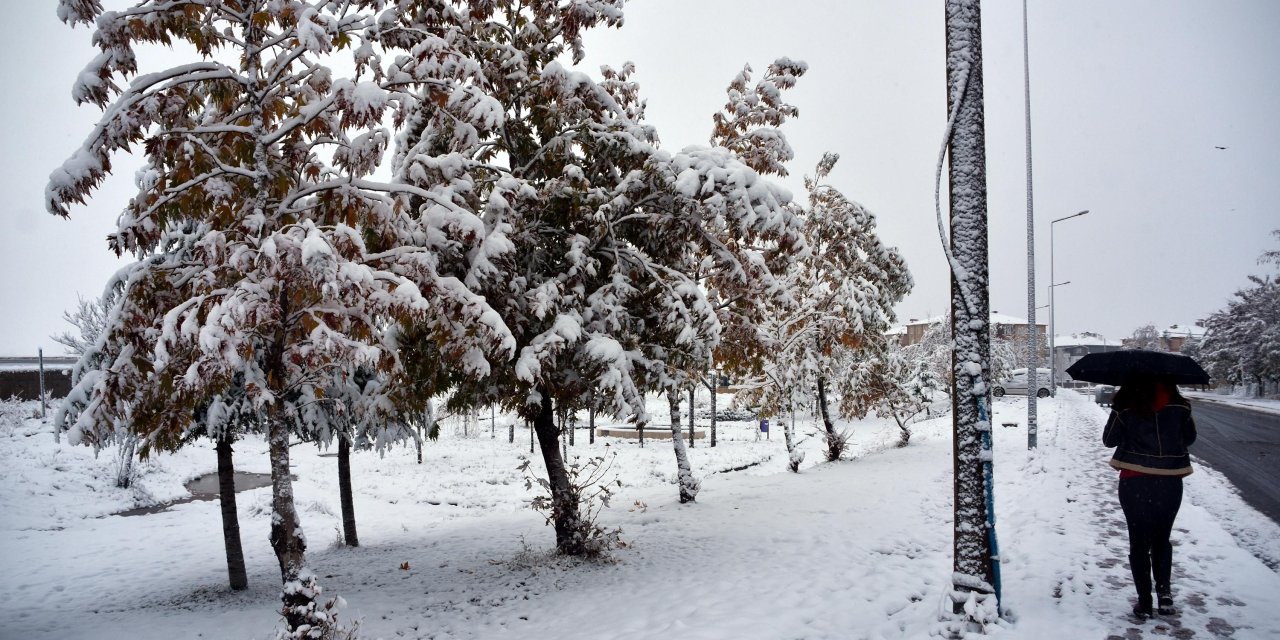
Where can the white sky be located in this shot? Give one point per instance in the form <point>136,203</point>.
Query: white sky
<point>1129,101</point>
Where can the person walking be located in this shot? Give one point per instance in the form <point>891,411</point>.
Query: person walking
<point>1150,427</point>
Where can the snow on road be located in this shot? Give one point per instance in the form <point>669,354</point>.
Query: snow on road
<point>858,549</point>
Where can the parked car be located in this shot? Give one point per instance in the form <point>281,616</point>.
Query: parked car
<point>1016,384</point>
<point>1103,394</point>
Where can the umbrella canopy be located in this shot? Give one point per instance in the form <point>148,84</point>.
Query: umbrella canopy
<point>1117,367</point>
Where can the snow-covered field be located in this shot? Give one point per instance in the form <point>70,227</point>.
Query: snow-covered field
<point>858,549</point>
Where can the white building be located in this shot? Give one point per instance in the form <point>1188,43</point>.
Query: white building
<point>1068,349</point>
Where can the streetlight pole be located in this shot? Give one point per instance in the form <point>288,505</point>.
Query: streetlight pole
<point>1053,356</point>
<point>1033,342</point>
<point>1053,327</point>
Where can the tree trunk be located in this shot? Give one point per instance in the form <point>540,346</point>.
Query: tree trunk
<point>236,573</point>
<point>572,425</point>
<point>786,428</point>
<point>905,436</point>
<point>287,539</point>
<point>688,485</point>
<point>124,468</point>
<point>974,573</point>
<point>794,458</point>
<point>835,441</point>
<point>570,540</point>
<point>344,489</point>
<point>591,423</point>
<point>417,443</point>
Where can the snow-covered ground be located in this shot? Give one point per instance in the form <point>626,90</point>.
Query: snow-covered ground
<point>858,549</point>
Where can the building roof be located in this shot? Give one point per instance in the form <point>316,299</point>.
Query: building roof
<point>1183,329</point>
<point>996,318</point>
<point>1080,340</point>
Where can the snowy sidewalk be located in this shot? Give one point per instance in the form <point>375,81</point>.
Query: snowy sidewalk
<point>859,549</point>
<point>1067,539</point>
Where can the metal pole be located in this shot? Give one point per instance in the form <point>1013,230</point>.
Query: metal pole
<point>40,353</point>
<point>1053,327</point>
<point>692,390</point>
<point>1033,361</point>
<point>1053,360</point>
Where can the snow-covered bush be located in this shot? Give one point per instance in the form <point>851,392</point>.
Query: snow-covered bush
<point>12,413</point>
<point>592,487</point>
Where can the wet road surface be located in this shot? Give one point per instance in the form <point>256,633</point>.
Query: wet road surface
<point>1243,445</point>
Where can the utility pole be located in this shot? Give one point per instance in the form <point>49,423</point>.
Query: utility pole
<point>974,579</point>
<point>40,355</point>
<point>1033,342</point>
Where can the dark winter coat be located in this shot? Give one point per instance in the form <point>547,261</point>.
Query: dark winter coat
<point>1154,443</point>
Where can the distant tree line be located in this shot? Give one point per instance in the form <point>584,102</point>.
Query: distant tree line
<point>1242,340</point>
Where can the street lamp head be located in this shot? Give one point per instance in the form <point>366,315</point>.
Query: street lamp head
<point>1074,215</point>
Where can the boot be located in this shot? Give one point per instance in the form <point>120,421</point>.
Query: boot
<point>1164,604</point>
<point>1142,610</point>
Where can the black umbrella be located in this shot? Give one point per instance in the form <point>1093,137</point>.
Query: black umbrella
<point>1117,367</point>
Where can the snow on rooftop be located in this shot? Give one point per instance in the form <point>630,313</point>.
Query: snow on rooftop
<point>996,318</point>
<point>1084,340</point>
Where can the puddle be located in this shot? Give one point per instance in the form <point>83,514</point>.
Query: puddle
<point>205,488</point>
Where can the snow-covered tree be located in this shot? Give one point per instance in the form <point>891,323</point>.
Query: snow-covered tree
<point>264,250</point>
<point>891,385</point>
<point>363,412</point>
<point>935,348</point>
<point>856,281</point>
<point>1242,340</point>
<point>843,291</point>
<point>88,320</point>
<point>1145,337</point>
<point>590,230</point>
<point>748,287</point>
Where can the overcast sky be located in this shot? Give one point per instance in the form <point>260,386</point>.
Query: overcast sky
<point>1130,104</point>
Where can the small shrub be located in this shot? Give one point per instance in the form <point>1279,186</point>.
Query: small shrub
<point>591,489</point>
<point>836,444</point>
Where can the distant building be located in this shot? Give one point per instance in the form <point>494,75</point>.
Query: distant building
<point>1007,327</point>
<point>1068,349</point>
<point>1177,335</point>
<point>897,334</point>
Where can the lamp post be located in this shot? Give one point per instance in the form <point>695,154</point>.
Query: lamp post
<point>1053,327</point>
<point>1033,342</point>
<point>1053,356</point>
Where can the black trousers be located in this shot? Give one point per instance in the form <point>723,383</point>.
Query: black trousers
<point>1150,504</point>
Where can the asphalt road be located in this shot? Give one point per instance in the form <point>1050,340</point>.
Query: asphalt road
<point>1244,446</point>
